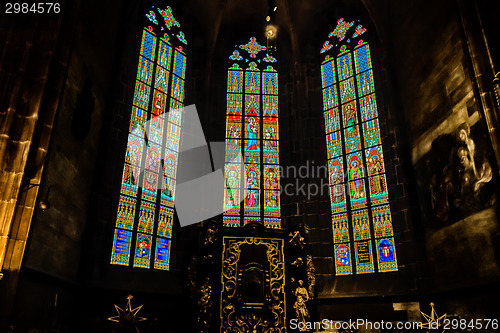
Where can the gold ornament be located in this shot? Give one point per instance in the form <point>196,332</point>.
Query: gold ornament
<point>127,317</point>
<point>434,322</point>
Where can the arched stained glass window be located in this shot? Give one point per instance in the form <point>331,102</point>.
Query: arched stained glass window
<point>252,191</point>
<point>143,227</point>
<point>361,215</point>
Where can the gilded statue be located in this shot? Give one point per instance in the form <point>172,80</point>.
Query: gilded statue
<point>302,296</point>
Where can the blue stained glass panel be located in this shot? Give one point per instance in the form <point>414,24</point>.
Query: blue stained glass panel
<point>162,256</point>
<point>148,45</point>
<point>328,74</point>
<point>121,247</point>
<point>343,264</point>
<point>386,255</point>
<point>386,251</point>
<point>179,64</point>
<point>362,58</point>
<point>344,66</point>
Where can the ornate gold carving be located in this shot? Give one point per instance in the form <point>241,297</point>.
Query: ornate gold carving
<point>296,239</point>
<point>127,317</point>
<point>206,304</point>
<point>311,274</point>
<point>210,236</point>
<point>269,319</point>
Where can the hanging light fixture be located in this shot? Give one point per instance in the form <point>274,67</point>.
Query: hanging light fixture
<point>270,31</point>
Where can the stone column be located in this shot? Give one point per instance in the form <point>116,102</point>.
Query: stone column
<point>33,67</point>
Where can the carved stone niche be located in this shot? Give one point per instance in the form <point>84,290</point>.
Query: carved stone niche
<point>253,278</point>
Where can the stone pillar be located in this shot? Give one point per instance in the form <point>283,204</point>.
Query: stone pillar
<point>483,71</point>
<point>33,67</point>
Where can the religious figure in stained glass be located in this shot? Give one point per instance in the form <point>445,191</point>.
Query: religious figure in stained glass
<point>252,126</point>
<point>375,169</point>
<point>152,138</point>
<point>252,130</point>
<point>353,139</point>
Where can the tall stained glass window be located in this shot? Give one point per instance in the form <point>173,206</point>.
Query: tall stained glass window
<point>145,213</point>
<point>252,190</point>
<point>361,216</point>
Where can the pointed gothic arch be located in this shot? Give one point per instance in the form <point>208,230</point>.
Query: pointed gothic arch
<point>363,234</point>
<point>143,228</point>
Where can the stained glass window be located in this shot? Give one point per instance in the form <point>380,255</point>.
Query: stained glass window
<point>143,228</point>
<point>252,190</point>
<point>363,236</point>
